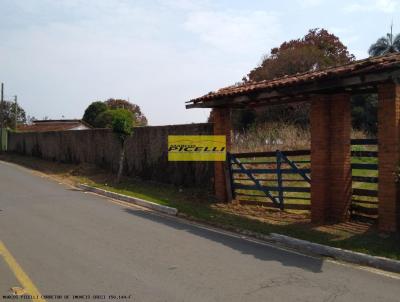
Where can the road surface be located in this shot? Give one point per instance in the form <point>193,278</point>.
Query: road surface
<point>65,242</point>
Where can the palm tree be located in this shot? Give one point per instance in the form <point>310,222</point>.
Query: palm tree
<point>385,45</point>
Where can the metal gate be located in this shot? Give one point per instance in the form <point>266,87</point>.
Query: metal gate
<point>280,179</point>
<point>364,164</point>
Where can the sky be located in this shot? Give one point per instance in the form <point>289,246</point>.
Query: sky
<point>58,56</point>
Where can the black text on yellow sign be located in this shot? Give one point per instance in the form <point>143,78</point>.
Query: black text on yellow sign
<point>196,148</point>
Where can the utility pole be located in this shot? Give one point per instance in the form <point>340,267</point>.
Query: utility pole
<point>15,112</point>
<point>391,33</point>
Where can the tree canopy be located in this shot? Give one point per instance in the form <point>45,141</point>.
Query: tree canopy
<point>101,114</point>
<point>9,110</point>
<point>93,111</point>
<point>318,49</point>
<point>385,45</point>
<point>122,123</point>
<point>138,117</point>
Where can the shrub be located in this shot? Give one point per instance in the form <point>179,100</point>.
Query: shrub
<point>93,111</point>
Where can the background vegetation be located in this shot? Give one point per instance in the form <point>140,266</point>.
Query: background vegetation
<point>287,126</point>
<point>102,114</point>
<point>13,114</point>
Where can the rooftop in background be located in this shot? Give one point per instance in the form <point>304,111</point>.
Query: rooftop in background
<point>54,125</point>
<point>358,77</point>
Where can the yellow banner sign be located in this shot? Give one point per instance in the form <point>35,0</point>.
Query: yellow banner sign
<point>196,147</point>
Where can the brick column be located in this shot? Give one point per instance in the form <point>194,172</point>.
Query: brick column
<point>320,136</point>
<point>340,158</point>
<point>222,126</point>
<point>330,158</point>
<point>388,148</point>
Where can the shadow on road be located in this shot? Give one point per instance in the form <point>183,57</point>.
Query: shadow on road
<point>259,251</point>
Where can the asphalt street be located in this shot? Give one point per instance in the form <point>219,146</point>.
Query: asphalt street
<point>66,242</point>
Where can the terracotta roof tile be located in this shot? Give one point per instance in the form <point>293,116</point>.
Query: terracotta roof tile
<point>374,64</point>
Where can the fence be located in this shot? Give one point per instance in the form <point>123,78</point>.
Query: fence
<point>282,178</point>
<point>364,164</point>
<point>279,179</point>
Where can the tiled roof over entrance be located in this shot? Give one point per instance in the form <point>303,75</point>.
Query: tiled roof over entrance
<point>363,74</point>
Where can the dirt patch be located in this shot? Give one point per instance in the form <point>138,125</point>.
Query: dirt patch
<point>264,214</point>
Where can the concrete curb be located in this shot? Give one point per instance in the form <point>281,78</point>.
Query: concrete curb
<point>134,200</point>
<point>337,253</point>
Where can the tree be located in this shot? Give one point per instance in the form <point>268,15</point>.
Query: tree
<point>365,113</point>
<point>12,113</point>
<point>138,117</point>
<point>97,115</point>
<point>122,125</point>
<point>93,111</point>
<point>318,49</point>
<point>121,122</point>
<point>104,119</point>
<point>243,119</point>
<point>385,45</point>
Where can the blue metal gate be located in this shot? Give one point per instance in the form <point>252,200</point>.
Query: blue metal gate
<point>280,178</point>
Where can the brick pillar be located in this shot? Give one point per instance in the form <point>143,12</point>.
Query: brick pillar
<point>340,158</point>
<point>388,148</point>
<point>222,126</point>
<point>319,122</point>
<point>330,158</point>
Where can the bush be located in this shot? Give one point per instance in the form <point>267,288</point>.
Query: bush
<point>93,111</point>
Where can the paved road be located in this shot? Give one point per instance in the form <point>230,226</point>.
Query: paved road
<point>72,243</point>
